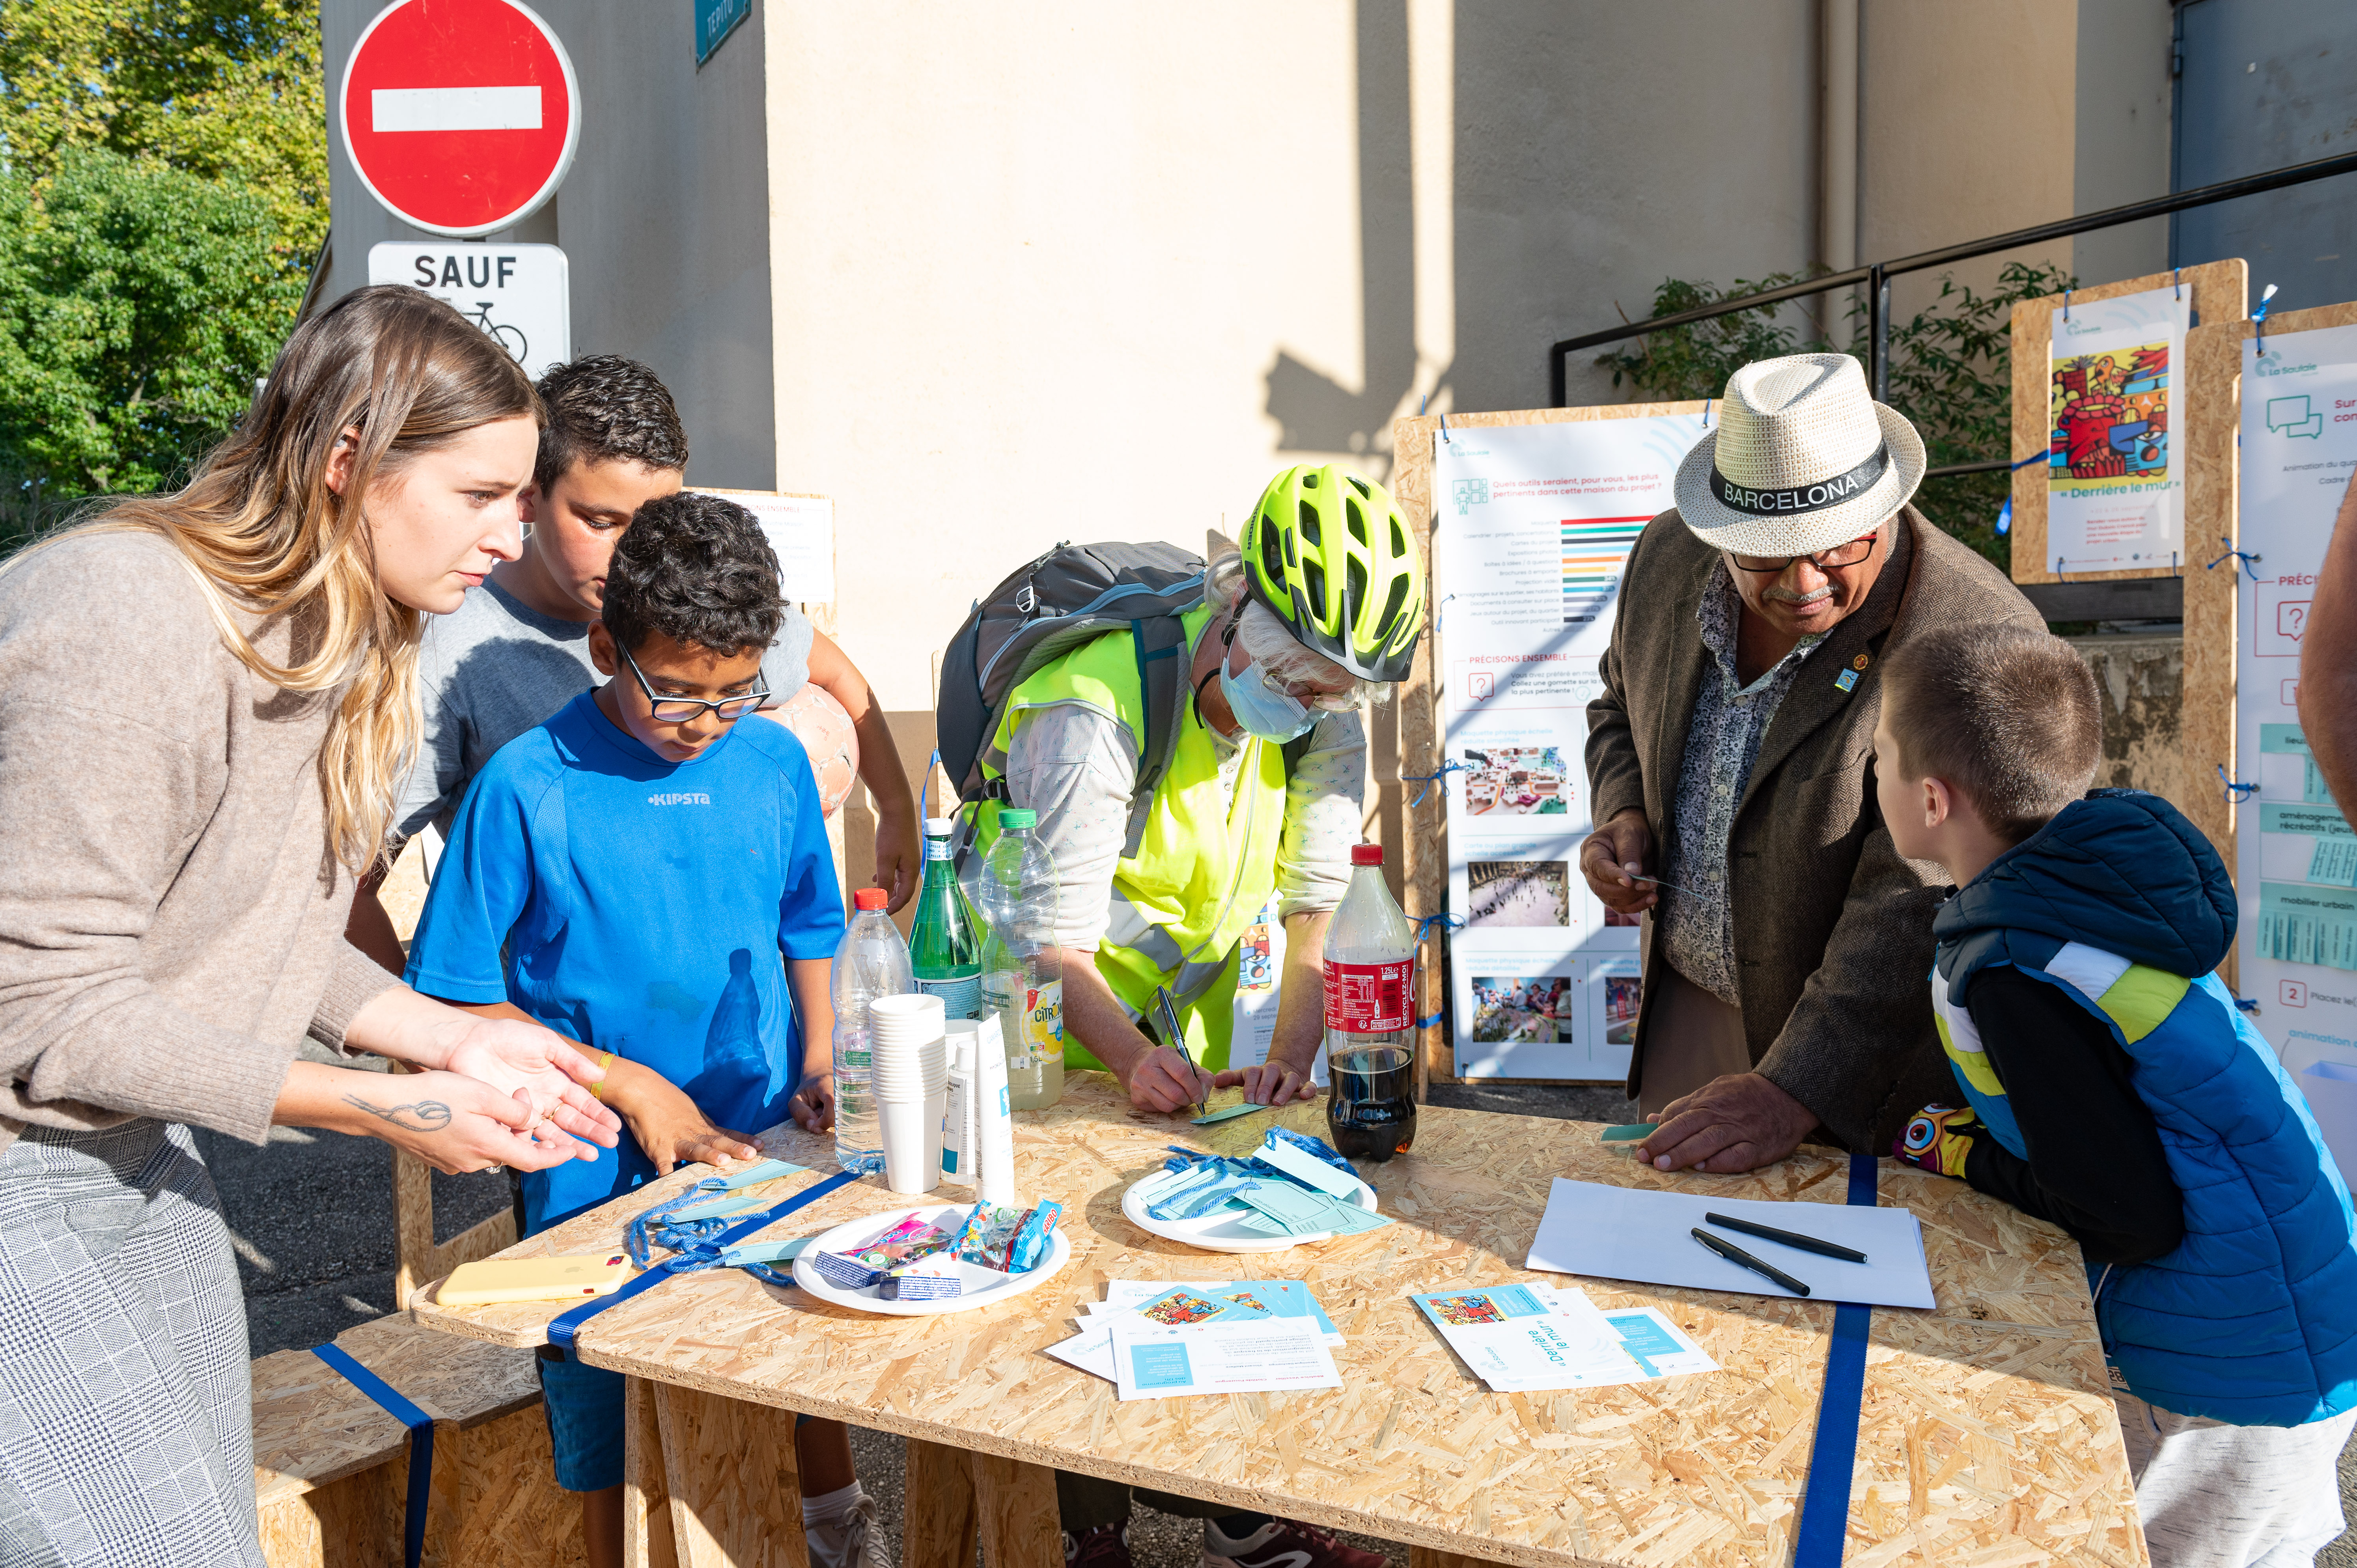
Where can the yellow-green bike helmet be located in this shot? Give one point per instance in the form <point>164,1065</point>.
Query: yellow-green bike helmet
<point>1330,555</point>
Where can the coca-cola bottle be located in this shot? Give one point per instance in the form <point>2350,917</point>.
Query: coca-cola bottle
<point>1370,1017</point>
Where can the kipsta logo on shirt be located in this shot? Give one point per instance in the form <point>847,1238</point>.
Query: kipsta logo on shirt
<point>692,799</point>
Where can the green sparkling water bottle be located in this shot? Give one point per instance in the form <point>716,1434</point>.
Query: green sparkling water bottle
<point>944,939</point>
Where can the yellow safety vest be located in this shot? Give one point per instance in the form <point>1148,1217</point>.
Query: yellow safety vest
<point>1204,865</point>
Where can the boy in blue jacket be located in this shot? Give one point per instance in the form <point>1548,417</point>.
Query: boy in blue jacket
<point>2113,1088</point>
<point>650,877</point>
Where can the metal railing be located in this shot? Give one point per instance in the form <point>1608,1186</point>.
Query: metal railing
<point>1876,277</point>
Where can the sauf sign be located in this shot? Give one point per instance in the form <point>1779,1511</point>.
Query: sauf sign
<point>518,294</point>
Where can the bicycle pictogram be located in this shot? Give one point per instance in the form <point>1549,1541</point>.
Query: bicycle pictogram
<point>512,338</point>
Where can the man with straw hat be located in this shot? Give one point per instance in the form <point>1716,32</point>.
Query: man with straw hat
<point>1731,756</point>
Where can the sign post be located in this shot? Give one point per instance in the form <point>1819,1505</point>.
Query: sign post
<point>521,295</point>
<point>460,116</point>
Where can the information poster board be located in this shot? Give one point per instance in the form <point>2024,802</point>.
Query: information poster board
<point>1531,528</point>
<point>2296,874</point>
<point>2114,480</point>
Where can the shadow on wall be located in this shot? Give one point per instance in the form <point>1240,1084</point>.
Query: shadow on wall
<point>1316,413</point>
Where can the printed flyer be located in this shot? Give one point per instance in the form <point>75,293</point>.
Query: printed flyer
<point>2114,493</point>
<point>2297,871</point>
<point>1531,528</point>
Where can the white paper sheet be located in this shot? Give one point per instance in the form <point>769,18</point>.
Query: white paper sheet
<point>1514,1338</point>
<point>1628,1233</point>
<point>1151,1362</point>
<point>1287,1298</point>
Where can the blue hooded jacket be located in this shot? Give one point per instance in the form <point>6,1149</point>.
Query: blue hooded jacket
<point>2119,902</point>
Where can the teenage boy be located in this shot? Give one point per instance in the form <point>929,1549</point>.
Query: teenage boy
<point>2115,1090</point>
<point>518,648</point>
<point>628,874</point>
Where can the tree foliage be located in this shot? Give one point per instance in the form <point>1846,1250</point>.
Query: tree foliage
<point>1950,374</point>
<point>139,303</point>
<point>163,195</point>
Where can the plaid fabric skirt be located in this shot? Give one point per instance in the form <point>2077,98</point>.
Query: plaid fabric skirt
<point>126,1432</point>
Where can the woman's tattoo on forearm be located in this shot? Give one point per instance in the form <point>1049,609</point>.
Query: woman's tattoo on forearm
<point>420,1116</point>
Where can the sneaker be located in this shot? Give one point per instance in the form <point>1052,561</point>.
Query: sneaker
<point>1283,1543</point>
<point>1105,1546</point>
<point>848,1542</point>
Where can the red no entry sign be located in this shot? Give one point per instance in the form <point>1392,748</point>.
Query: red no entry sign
<point>460,115</point>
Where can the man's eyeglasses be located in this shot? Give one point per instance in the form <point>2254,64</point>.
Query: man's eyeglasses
<point>1850,554</point>
<point>679,710</point>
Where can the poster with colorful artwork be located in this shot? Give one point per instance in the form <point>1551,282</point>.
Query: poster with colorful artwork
<point>2296,853</point>
<point>2115,491</point>
<point>1532,531</point>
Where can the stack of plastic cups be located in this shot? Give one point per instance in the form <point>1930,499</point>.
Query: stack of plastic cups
<point>909,1061</point>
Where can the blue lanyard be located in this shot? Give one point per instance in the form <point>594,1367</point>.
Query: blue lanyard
<point>421,1442</point>
<point>699,1254</point>
<point>1824,1505</point>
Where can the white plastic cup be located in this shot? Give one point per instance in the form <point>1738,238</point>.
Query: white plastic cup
<point>909,1019</point>
<point>918,1071</point>
<point>913,1141</point>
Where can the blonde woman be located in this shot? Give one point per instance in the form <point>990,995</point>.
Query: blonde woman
<point>207,703</point>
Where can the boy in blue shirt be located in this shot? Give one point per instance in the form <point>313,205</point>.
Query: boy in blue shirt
<point>644,860</point>
<point>2113,1088</point>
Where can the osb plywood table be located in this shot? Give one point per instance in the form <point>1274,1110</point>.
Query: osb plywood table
<point>1985,1436</point>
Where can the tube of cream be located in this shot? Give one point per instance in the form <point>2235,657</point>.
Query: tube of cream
<point>994,1125</point>
<point>957,1118</point>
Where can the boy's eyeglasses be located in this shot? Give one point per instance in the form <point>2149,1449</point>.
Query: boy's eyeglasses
<point>679,710</point>
<point>1850,554</point>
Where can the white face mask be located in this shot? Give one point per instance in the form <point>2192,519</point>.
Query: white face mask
<point>1263,711</point>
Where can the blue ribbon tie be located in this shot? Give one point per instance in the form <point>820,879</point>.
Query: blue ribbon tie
<point>2236,790</point>
<point>1445,920</point>
<point>701,1250</point>
<point>1429,780</point>
<point>2242,559</point>
<point>1825,1503</point>
<point>421,1442</point>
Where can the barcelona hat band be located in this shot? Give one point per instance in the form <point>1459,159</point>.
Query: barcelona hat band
<point>1825,493</point>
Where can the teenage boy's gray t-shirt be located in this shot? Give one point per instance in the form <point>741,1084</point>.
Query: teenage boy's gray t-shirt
<point>494,667</point>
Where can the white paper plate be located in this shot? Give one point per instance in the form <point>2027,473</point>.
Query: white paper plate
<point>1222,1230</point>
<point>984,1288</point>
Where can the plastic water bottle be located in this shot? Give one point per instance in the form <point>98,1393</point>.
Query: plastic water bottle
<point>1015,894</point>
<point>870,962</point>
<point>943,944</point>
<point>1370,1022</point>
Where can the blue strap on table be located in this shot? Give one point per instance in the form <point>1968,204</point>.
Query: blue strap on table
<point>1825,1504</point>
<point>421,1442</point>
<point>563,1330</point>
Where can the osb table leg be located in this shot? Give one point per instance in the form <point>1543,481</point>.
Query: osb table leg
<point>1433,1557</point>
<point>646,1492</point>
<point>736,1491</point>
<point>937,1528</point>
<point>1015,1506</point>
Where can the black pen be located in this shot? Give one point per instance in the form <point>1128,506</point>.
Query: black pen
<point>1735,1254</point>
<point>1790,1239</point>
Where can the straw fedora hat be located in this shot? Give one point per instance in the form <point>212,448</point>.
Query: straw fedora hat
<point>1800,459</point>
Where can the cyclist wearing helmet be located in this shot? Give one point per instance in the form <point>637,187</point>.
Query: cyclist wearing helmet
<point>1315,617</point>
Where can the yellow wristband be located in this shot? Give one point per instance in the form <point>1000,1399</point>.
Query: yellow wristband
<point>598,1087</point>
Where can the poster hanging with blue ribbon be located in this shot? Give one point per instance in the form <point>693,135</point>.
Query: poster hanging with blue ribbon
<point>2114,479</point>
<point>2294,849</point>
<point>1533,518</point>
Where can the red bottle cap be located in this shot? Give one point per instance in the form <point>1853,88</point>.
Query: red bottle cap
<point>868,898</point>
<point>1366,854</point>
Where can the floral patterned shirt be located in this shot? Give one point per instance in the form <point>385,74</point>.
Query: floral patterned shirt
<point>1723,738</point>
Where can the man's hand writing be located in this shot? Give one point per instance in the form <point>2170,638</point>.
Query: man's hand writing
<point>1737,1122</point>
<point>1614,857</point>
<point>1165,1081</point>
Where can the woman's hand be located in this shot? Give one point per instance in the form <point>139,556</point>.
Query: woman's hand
<point>526,1058</point>
<point>668,1125</point>
<point>453,1123</point>
<point>814,1103</point>
<point>1270,1083</point>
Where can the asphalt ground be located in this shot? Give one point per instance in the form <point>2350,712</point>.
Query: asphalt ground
<point>311,1216</point>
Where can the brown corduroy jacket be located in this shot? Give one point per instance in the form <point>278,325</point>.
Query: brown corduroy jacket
<point>1832,930</point>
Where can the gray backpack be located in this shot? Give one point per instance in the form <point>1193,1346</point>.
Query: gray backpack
<point>1044,610</point>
